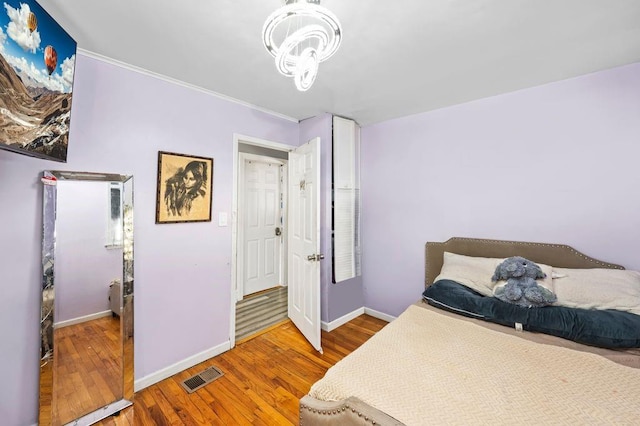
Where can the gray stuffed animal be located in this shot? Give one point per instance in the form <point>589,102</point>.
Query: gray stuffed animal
<point>521,288</point>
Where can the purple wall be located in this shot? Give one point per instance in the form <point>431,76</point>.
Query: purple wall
<point>426,177</point>
<point>84,266</point>
<point>555,163</point>
<point>120,120</point>
<point>345,297</point>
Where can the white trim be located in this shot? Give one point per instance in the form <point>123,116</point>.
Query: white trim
<point>330,326</point>
<point>134,68</point>
<point>284,260</point>
<point>79,320</point>
<point>248,140</point>
<point>179,366</point>
<point>379,315</point>
<point>261,158</point>
<point>238,233</point>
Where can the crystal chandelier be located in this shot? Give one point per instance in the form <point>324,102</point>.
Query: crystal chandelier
<point>300,35</point>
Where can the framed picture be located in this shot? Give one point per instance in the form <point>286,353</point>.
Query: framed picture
<point>185,188</point>
<point>37,62</point>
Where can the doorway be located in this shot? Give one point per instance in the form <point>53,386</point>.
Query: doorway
<point>260,206</point>
<point>300,246</point>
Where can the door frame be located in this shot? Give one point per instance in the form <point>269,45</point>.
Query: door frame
<point>240,258</point>
<point>237,140</point>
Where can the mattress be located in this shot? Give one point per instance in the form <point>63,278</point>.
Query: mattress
<point>429,366</point>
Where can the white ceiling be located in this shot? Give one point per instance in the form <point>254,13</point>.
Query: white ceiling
<point>398,57</point>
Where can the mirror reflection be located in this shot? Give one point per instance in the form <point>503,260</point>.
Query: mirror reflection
<point>87,327</point>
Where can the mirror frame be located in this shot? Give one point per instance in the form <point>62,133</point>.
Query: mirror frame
<point>50,179</point>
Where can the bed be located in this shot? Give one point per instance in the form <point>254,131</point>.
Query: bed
<point>442,362</point>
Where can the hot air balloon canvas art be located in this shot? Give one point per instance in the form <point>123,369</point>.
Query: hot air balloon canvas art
<point>37,63</point>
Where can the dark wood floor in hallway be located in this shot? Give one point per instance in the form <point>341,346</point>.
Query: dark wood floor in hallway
<point>264,378</point>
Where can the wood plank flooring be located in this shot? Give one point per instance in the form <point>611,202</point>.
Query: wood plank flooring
<point>88,369</point>
<point>264,378</point>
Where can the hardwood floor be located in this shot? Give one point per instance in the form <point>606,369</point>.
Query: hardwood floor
<point>88,367</point>
<point>264,378</point>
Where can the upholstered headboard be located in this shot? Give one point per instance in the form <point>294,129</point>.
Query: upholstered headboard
<point>559,255</point>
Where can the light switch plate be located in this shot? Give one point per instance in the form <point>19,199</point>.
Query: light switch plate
<point>222,219</point>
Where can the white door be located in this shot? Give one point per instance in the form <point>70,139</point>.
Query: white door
<point>304,240</point>
<point>262,227</point>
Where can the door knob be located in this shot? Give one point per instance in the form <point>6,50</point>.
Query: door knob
<point>315,257</point>
<point>278,231</point>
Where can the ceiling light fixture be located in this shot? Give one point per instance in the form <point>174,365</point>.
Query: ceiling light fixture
<point>300,35</point>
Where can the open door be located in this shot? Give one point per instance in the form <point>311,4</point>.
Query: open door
<point>304,240</point>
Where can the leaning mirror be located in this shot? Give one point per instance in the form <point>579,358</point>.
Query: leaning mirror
<point>86,368</point>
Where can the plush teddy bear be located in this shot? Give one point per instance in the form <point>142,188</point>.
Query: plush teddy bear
<point>521,287</point>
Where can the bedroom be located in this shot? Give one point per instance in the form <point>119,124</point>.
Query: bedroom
<point>427,176</point>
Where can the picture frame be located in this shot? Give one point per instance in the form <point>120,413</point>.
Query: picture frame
<point>37,61</point>
<point>185,188</point>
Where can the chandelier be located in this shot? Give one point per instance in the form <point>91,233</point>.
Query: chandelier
<point>300,35</point>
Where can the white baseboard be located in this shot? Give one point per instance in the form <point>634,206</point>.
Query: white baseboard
<point>330,326</point>
<point>180,366</point>
<point>379,315</point>
<point>78,320</point>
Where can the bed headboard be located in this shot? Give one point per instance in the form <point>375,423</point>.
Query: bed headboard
<point>559,255</point>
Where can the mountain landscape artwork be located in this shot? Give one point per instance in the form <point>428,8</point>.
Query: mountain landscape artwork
<point>37,62</point>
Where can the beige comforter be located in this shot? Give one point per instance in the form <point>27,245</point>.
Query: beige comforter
<point>427,368</point>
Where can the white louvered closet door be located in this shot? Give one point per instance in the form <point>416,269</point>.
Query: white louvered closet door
<point>346,199</point>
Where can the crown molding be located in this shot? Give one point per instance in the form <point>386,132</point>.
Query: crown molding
<point>134,68</point>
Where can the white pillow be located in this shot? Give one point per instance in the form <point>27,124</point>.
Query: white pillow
<point>598,288</point>
<point>476,272</point>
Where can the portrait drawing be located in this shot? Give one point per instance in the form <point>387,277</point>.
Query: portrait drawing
<point>185,188</point>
